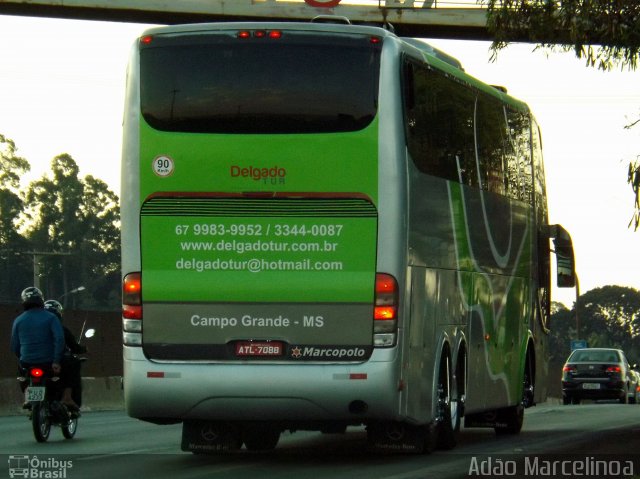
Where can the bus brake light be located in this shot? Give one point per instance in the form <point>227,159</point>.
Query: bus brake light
<point>273,34</point>
<point>132,296</point>
<point>385,311</point>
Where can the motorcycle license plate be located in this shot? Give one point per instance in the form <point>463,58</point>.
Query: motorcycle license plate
<point>36,394</point>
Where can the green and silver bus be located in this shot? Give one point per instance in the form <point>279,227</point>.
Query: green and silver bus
<point>323,226</point>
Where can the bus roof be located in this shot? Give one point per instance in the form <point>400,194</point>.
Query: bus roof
<point>303,26</point>
<point>452,66</point>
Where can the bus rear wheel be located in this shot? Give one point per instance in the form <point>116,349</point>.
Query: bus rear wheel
<point>513,418</point>
<point>447,406</point>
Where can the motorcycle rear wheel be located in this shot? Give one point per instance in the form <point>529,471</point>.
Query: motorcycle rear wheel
<point>40,421</point>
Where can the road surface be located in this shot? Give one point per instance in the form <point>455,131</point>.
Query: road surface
<point>595,438</point>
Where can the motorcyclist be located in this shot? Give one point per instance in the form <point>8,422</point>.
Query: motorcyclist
<point>71,379</point>
<point>37,337</point>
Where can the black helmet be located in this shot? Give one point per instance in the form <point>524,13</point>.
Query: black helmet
<point>54,306</point>
<point>31,297</point>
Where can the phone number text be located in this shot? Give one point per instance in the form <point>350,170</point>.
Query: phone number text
<point>219,229</point>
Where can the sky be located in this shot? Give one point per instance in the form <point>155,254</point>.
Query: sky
<point>62,91</point>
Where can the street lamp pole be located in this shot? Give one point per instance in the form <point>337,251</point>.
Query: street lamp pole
<point>576,307</point>
<point>73,291</point>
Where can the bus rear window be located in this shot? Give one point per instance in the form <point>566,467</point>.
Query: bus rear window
<point>299,83</point>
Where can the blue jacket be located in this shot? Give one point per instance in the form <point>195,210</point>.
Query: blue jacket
<point>37,337</point>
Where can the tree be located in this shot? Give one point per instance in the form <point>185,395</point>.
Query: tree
<point>606,33</point>
<point>75,222</point>
<point>67,226</point>
<point>14,268</point>
<point>12,167</point>
<point>54,222</point>
<point>53,206</point>
<point>563,330</point>
<point>610,317</point>
<point>100,215</point>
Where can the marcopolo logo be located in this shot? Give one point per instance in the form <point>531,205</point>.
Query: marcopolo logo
<point>274,174</point>
<point>328,352</point>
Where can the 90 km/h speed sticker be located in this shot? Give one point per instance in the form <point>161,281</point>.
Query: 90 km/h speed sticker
<point>163,166</point>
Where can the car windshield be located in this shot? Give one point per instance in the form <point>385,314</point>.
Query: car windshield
<point>605,356</point>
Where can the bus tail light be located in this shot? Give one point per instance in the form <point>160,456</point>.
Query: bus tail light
<point>132,309</point>
<point>385,311</point>
<point>272,34</point>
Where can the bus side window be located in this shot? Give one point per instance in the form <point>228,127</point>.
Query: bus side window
<point>491,139</point>
<point>519,162</point>
<point>439,124</point>
<point>408,92</point>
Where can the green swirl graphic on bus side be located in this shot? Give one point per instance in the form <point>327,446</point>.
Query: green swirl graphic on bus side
<point>497,294</point>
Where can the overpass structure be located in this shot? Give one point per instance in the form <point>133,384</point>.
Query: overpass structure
<point>460,19</point>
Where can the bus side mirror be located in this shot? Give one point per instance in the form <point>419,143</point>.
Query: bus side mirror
<point>565,258</point>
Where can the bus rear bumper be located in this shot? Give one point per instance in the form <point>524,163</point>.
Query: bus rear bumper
<point>302,393</point>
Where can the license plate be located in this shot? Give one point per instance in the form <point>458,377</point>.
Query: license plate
<point>591,386</point>
<point>259,348</point>
<point>34,394</point>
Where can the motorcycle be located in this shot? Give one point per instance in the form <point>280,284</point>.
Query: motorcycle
<point>42,397</point>
<point>42,392</point>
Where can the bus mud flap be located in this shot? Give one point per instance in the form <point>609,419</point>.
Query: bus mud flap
<point>404,438</point>
<point>498,419</point>
<point>210,437</point>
